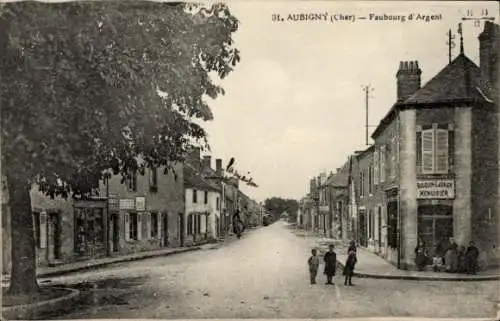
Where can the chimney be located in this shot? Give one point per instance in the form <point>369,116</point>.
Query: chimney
<point>207,162</point>
<point>408,79</point>
<point>489,45</point>
<point>194,155</point>
<point>218,166</point>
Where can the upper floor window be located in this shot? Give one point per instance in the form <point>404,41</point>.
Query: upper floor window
<point>217,203</point>
<point>362,184</point>
<point>434,150</point>
<point>382,164</point>
<point>370,179</point>
<point>376,167</point>
<point>195,196</point>
<point>206,197</point>
<point>394,157</point>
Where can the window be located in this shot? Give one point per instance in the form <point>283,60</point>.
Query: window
<point>217,203</point>
<point>133,226</point>
<point>153,179</point>
<point>434,150</point>
<point>382,164</point>
<point>362,184</point>
<point>376,167</point>
<point>206,197</point>
<point>195,196</point>
<point>198,223</point>
<point>132,181</point>
<point>394,157</point>
<point>370,179</point>
<point>154,225</point>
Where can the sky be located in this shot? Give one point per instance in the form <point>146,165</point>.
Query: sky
<point>294,106</point>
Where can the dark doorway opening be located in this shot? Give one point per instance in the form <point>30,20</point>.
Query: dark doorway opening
<point>165,229</point>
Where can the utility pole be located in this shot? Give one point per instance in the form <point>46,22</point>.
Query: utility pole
<point>450,43</point>
<point>367,89</point>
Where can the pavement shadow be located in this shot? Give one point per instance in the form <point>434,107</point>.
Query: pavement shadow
<point>94,296</point>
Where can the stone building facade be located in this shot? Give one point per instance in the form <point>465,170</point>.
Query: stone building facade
<point>438,166</point>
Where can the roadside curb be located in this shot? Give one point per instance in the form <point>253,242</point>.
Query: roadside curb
<point>422,277</point>
<point>91,265</point>
<point>24,311</point>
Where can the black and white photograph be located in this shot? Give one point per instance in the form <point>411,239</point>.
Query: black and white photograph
<point>334,160</point>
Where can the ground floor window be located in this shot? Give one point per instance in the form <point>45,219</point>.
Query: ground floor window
<point>133,226</point>
<point>89,225</point>
<point>435,226</point>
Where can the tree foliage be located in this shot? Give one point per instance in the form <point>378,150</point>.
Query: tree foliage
<point>80,86</point>
<point>277,206</point>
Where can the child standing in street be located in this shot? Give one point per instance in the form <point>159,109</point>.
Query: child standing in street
<point>313,263</point>
<point>349,268</point>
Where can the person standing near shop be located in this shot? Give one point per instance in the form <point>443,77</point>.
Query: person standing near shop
<point>349,268</point>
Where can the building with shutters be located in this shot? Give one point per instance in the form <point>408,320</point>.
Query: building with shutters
<point>203,200</point>
<point>436,160</point>
<point>143,213</point>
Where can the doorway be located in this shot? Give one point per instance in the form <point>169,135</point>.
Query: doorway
<point>379,218</point>
<point>435,226</point>
<point>115,227</point>
<point>165,229</point>
<point>362,228</point>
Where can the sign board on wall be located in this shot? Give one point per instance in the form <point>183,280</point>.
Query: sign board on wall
<point>436,189</point>
<point>127,204</point>
<point>140,203</point>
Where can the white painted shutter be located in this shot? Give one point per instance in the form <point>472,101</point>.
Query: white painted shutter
<point>158,217</point>
<point>140,218</point>
<point>43,230</point>
<point>127,227</point>
<point>375,167</point>
<point>428,151</point>
<point>442,151</point>
<point>394,151</point>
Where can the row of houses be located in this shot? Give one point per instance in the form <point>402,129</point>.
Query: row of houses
<point>191,204</point>
<point>432,172</point>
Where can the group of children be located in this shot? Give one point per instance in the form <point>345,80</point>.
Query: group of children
<point>330,261</point>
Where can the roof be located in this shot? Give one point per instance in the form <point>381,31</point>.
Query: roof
<point>341,178</point>
<point>193,178</point>
<point>459,80</point>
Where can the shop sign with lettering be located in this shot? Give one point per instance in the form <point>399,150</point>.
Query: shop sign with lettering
<point>140,203</point>
<point>436,189</point>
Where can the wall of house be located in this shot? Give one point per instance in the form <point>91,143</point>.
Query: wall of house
<point>64,210</point>
<point>167,199</point>
<point>484,192</point>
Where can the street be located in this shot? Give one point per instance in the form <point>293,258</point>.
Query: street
<point>262,275</point>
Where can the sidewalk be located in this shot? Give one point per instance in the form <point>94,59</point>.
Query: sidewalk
<point>370,265</point>
<point>101,262</point>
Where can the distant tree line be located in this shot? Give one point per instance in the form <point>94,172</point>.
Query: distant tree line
<point>277,205</point>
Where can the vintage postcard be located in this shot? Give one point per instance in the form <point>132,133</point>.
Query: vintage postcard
<point>250,160</point>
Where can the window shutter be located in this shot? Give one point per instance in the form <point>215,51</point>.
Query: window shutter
<point>419,152</point>
<point>140,218</point>
<point>428,151</point>
<point>147,217</point>
<point>394,151</point>
<point>159,220</point>
<point>127,227</point>
<point>43,230</point>
<point>375,167</point>
<point>382,164</point>
<point>442,150</point>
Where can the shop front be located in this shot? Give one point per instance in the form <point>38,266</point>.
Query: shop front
<point>90,228</point>
<point>435,213</point>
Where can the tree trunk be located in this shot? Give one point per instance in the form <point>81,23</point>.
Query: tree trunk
<point>23,254</point>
